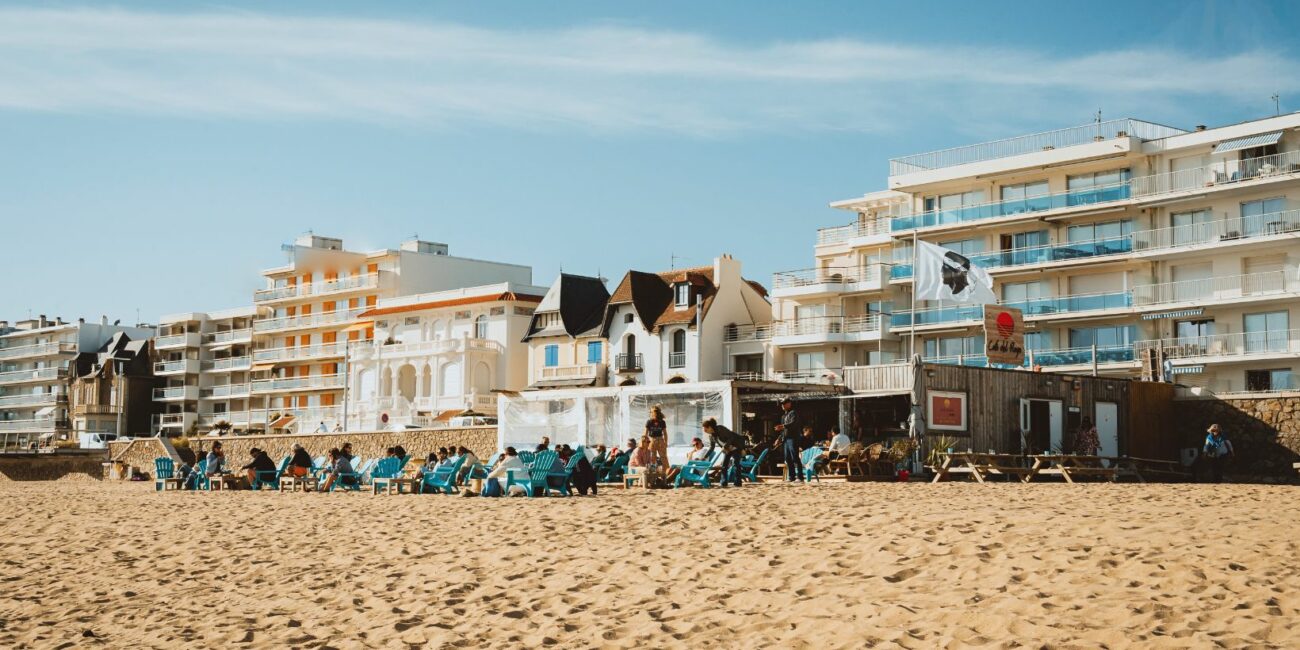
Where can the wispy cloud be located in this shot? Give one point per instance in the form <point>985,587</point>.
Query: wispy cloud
<point>618,79</point>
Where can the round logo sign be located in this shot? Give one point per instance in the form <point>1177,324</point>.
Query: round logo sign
<point>1006,324</point>
<point>384,418</point>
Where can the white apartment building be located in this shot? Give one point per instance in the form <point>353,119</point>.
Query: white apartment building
<point>437,355</point>
<point>1126,243</point>
<point>669,327</point>
<point>202,361</point>
<point>36,363</point>
<point>311,309</point>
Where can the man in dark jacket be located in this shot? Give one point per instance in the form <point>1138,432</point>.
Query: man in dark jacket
<point>261,463</point>
<point>791,430</point>
<point>733,448</point>
<point>301,464</point>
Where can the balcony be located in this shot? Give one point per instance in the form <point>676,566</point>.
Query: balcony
<point>742,333</point>
<point>224,391</point>
<point>233,418</point>
<point>32,399</point>
<point>36,375</point>
<point>827,329</point>
<point>858,233</point>
<point>173,341</point>
<point>1045,254</point>
<point>628,363</point>
<point>176,393</point>
<point>177,367</point>
<point>305,322</point>
<point>676,360</point>
<point>808,376</point>
<point>1233,288</point>
<point>309,419</point>
<point>580,371</point>
<point>808,283</point>
<point>890,378</point>
<point>1225,173</point>
<point>995,209</point>
<point>354,283</point>
<point>230,336</point>
<point>303,352</point>
<point>1087,302</point>
<point>38,350</point>
<point>228,364</point>
<point>1225,231</point>
<point>33,425</point>
<point>1238,347</point>
<point>313,382</point>
<point>181,421</point>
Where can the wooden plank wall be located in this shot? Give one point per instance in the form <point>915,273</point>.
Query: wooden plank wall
<point>1152,430</point>
<point>993,401</point>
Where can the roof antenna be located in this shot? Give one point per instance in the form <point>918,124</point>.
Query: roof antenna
<point>1277,107</point>
<point>672,262</point>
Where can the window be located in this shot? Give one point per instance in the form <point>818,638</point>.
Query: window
<point>593,352</point>
<point>412,320</point>
<point>1189,331</point>
<point>1266,332</point>
<point>677,358</point>
<point>955,347</point>
<point>953,208</point>
<point>1021,198</point>
<point>1024,291</point>
<point>462,315</point>
<point>1275,379</point>
<point>497,311</point>
<point>524,311</point>
<point>683,291</point>
<point>1102,230</point>
<point>967,247</point>
<point>808,361</point>
<point>1262,217</point>
<point>1103,337</point>
<point>481,327</point>
<point>552,356</point>
<point>1038,341</point>
<point>628,318</point>
<point>1098,186</point>
<point>1191,227</point>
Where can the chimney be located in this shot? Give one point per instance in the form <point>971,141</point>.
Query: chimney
<point>726,271</point>
<point>103,319</point>
<point>41,322</point>
<point>81,321</point>
<point>1200,127</point>
<point>58,320</point>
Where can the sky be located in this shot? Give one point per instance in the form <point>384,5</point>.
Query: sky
<point>155,155</point>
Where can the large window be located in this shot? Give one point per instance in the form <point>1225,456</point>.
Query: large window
<point>1103,337</point>
<point>1266,332</point>
<point>1103,230</point>
<point>953,208</point>
<point>1193,330</point>
<point>1038,341</point>
<point>1192,227</point>
<point>1024,197</point>
<point>809,361</point>
<point>1262,217</point>
<point>481,327</point>
<point>677,357</point>
<point>1024,291</point>
<point>1272,379</point>
<point>1098,186</point>
<point>967,247</point>
<point>954,347</point>
<point>552,356</point>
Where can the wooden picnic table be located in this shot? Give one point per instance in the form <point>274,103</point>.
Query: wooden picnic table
<point>982,465</point>
<point>1071,466</point>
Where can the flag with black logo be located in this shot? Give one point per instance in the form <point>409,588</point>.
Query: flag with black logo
<point>941,274</point>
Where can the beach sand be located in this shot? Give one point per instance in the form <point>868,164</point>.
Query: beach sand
<point>916,566</point>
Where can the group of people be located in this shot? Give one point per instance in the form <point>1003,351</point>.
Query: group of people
<point>582,478</point>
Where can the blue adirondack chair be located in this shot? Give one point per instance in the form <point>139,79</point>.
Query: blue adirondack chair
<point>538,470</point>
<point>479,470</point>
<point>384,471</point>
<point>696,472</point>
<point>164,473</point>
<point>560,480</point>
<point>270,479</point>
<point>749,466</point>
<point>443,479</point>
<point>526,457</point>
<point>812,462</point>
<point>197,479</point>
<point>614,472</point>
<point>355,474</point>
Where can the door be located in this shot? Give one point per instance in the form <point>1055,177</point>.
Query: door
<point>1056,422</point>
<point>1108,428</point>
<point>1039,430</point>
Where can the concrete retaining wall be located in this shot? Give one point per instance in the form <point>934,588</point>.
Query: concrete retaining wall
<point>51,467</point>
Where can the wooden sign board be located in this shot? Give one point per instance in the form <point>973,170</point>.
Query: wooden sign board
<point>947,410</point>
<point>1004,335</point>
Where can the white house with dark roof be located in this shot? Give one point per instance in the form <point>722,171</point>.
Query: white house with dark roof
<point>566,344</point>
<point>669,327</point>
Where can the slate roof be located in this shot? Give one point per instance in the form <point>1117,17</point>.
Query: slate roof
<point>580,301</point>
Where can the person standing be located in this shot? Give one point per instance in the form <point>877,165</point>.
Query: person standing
<point>1086,442</point>
<point>791,429</point>
<point>1217,450</point>
<point>656,431</point>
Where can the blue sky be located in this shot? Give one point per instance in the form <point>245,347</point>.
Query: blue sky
<point>153,156</point>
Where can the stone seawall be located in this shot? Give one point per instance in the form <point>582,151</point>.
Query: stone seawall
<point>52,467</point>
<point>1264,431</point>
<point>417,442</point>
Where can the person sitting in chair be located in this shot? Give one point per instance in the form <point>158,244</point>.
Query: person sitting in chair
<point>260,463</point>
<point>301,463</point>
<point>836,443</point>
<point>510,461</point>
<point>340,471</point>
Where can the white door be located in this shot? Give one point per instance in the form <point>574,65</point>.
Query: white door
<point>1057,423</point>
<point>1108,428</point>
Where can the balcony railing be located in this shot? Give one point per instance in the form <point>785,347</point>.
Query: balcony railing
<point>184,339</point>
<point>353,283</point>
<point>1222,230</point>
<point>308,419</point>
<point>32,399</point>
<point>39,374</point>
<point>230,336</point>
<point>1026,144</point>
<point>38,350</point>
<point>809,375</point>
<point>740,333</point>
<point>35,424</point>
<point>827,325</point>
<point>1225,172</point>
<point>580,371</point>
<point>628,363</point>
<point>1275,342</point>
<point>221,391</point>
<point>1038,254</point>
<point>228,363</point>
<point>97,409</point>
<point>890,377</point>
<point>1214,288</point>
<point>992,210</point>
<point>309,320</point>
<point>178,365</point>
<point>676,359</point>
<point>842,278</point>
<point>1048,358</point>
<point>319,350</point>
<point>855,230</point>
<point>1033,307</point>
<point>176,392</point>
<point>171,419</point>
<point>312,382</point>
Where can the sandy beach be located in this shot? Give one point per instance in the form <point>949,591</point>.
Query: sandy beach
<point>89,564</point>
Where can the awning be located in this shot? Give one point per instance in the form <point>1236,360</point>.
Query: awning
<point>259,367</point>
<point>1258,140</point>
<point>359,327</point>
<point>45,412</point>
<point>1175,314</point>
<point>1187,370</point>
<point>446,416</point>
<point>221,348</point>
<point>282,422</point>
<point>564,383</point>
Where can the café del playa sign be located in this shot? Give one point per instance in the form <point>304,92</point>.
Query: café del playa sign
<point>1004,335</point>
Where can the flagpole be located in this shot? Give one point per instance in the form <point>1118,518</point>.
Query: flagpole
<point>911,316</point>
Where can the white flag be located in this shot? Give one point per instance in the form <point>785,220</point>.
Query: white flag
<point>941,274</point>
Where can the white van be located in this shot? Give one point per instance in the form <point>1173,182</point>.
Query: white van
<point>96,440</point>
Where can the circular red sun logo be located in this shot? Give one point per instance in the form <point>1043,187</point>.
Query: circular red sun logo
<point>1006,324</point>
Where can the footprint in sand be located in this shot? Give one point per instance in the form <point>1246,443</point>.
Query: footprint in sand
<point>902,575</point>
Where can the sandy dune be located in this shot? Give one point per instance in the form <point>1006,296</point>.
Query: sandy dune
<point>917,566</point>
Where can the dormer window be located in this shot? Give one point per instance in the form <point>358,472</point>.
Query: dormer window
<point>627,318</point>
<point>683,292</point>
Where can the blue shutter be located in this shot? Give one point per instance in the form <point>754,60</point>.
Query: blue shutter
<point>552,356</point>
<point>593,352</point>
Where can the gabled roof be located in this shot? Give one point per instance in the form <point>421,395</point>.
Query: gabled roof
<point>651,296</point>
<point>579,300</point>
